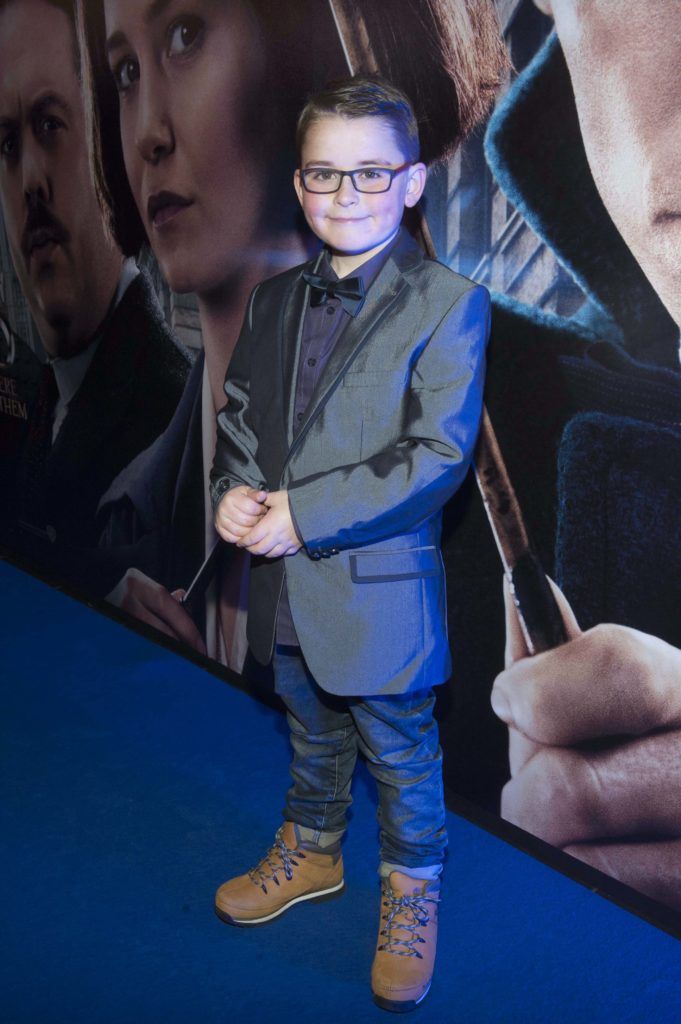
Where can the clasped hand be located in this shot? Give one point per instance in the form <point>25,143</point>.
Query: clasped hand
<point>259,521</point>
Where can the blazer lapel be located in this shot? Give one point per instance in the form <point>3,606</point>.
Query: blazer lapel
<point>291,334</point>
<point>389,283</point>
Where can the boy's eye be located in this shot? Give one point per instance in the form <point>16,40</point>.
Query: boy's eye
<point>126,73</point>
<point>371,174</point>
<point>182,34</point>
<point>319,174</point>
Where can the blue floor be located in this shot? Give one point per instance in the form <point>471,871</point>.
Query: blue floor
<point>133,782</point>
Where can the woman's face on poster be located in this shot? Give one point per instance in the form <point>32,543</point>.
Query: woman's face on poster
<point>626,74</point>
<point>187,72</point>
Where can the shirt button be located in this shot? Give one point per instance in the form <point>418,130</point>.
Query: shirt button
<point>299,416</point>
<point>312,362</point>
<point>330,310</point>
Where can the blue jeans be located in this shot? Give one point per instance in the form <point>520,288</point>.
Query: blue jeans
<point>398,737</point>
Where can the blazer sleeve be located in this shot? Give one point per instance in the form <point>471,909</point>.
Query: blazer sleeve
<point>398,488</point>
<point>237,443</point>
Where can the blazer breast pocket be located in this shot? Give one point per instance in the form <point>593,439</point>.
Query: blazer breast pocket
<point>376,398</point>
<point>373,378</point>
<point>392,566</point>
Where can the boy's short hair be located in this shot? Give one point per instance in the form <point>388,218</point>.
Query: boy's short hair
<point>363,96</point>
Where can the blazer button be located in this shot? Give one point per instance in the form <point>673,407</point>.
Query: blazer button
<point>316,555</point>
<point>334,551</point>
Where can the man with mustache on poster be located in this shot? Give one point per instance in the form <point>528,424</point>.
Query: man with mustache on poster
<point>114,373</point>
<point>595,725</point>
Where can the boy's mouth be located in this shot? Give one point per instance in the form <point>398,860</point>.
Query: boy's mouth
<point>163,206</point>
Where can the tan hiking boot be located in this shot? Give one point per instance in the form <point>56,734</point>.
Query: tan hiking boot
<point>291,871</point>
<point>407,938</point>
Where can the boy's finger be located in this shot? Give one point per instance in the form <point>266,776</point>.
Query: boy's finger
<point>229,523</point>
<point>259,496</point>
<point>243,518</point>
<point>254,535</point>
<point>227,535</point>
<point>248,506</point>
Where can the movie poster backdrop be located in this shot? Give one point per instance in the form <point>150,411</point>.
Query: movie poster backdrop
<point>566,204</point>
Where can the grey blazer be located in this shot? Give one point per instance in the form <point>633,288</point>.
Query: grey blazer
<point>386,440</point>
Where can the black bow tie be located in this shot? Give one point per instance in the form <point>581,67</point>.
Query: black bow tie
<point>350,291</point>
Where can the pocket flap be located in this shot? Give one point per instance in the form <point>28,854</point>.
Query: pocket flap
<point>383,566</point>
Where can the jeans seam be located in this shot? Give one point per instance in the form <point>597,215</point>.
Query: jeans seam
<point>335,785</point>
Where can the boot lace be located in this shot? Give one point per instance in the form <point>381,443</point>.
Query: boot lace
<point>278,858</point>
<point>406,914</point>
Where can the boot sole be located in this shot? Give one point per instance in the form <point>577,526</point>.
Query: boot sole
<point>400,1005</point>
<point>314,897</point>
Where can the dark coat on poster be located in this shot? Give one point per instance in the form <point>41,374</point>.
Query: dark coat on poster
<point>153,514</point>
<point>584,410</point>
<point>126,399</point>
<point>386,439</point>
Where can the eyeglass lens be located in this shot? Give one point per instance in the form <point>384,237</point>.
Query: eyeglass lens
<point>366,179</point>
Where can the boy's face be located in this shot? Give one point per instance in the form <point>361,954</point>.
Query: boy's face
<point>356,223</point>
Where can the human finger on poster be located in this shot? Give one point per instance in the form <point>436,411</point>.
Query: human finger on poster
<point>139,595</point>
<point>594,742</point>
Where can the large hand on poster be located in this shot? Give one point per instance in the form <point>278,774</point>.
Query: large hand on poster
<point>595,749</point>
<point>150,602</point>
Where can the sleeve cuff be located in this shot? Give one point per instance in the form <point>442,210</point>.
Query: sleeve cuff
<point>217,490</point>
<point>295,522</point>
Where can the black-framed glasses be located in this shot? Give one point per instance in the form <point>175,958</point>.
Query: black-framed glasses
<point>364,179</point>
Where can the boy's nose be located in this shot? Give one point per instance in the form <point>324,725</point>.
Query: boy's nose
<point>346,195</point>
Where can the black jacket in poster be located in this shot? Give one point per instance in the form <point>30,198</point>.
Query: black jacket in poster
<point>126,399</point>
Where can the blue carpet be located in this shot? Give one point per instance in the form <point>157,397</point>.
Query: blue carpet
<point>133,783</point>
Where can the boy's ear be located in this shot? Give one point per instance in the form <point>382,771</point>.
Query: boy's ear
<point>416,182</point>
<point>298,186</point>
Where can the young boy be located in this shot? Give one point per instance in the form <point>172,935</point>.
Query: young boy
<point>354,397</point>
